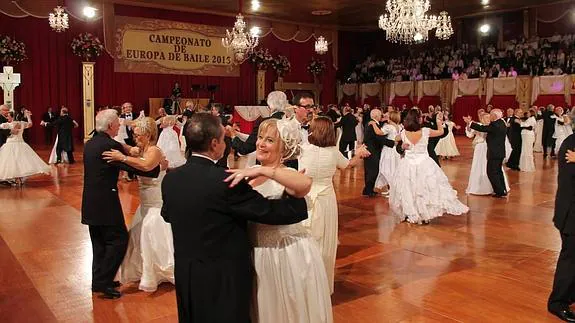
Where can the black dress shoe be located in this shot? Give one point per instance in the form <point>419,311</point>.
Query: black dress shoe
<point>116,284</point>
<point>109,292</point>
<point>565,315</point>
<point>499,196</point>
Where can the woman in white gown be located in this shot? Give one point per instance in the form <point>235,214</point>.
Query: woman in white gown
<point>420,190</point>
<point>359,127</point>
<point>320,158</point>
<point>150,255</point>
<point>17,158</point>
<point>479,183</point>
<point>562,128</point>
<point>526,160</point>
<point>291,280</point>
<point>169,143</point>
<point>389,156</point>
<point>447,147</point>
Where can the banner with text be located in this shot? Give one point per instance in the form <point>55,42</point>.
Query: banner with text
<point>170,47</point>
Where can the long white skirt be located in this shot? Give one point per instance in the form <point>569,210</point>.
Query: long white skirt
<point>18,159</point>
<point>169,143</point>
<point>479,183</point>
<point>291,280</point>
<point>526,160</point>
<point>538,145</point>
<point>150,255</point>
<point>420,191</point>
<point>323,224</point>
<point>53,159</point>
<point>446,147</point>
<point>387,164</point>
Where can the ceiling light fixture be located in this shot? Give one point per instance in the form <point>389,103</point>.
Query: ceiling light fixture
<point>239,41</point>
<point>89,12</point>
<point>484,2</point>
<point>255,5</point>
<point>255,31</point>
<point>58,19</point>
<point>321,45</point>
<point>444,29</point>
<point>484,29</point>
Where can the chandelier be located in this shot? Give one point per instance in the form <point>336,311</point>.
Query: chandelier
<point>444,29</point>
<point>408,22</point>
<point>58,19</point>
<point>321,45</point>
<point>238,41</point>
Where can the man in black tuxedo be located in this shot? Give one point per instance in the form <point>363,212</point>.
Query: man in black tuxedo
<point>374,143</point>
<point>348,136</point>
<point>547,139</point>
<point>4,133</point>
<point>64,126</point>
<point>431,123</point>
<point>217,110</point>
<point>563,293</point>
<point>514,135</point>
<point>47,119</point>
<point>496,134</point>
<point>212,251</point>
<point>101,209</point>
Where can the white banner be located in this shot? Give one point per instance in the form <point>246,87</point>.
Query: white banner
<point>466,88</point>
<point>552,84</point>
<point>370,89</point>
<point>401,89</point>
<point>252,113</point>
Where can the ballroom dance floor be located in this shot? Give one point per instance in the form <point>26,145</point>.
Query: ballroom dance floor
<point>495,264</point>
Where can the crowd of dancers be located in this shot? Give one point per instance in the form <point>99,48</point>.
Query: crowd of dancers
<point>298,150</point>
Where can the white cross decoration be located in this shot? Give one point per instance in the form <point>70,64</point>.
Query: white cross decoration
<point>8,82</point>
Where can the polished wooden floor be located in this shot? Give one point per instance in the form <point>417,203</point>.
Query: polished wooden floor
<point>493,265</point>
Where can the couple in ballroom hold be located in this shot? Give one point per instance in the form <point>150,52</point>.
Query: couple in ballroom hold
<point>240,253</point>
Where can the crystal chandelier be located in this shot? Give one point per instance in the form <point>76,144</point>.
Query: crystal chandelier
<point>444,29</point>
<point>58,19</point>
<point>408,22</point>
<point>238,41</point>
<point>321,45</point>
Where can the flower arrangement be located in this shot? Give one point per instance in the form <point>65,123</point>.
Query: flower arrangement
<point>11,50</point>
<point>281,65</point>
<point>261,58</point>
<point>87,46</point>
<point>316,66</point>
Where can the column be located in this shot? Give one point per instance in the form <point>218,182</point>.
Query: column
<point>261,86</point>
<point>88,98</point>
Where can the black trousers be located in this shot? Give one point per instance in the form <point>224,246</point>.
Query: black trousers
<point>109,245</point>
<point>513,161</point>
<point>344,144</point>
<point>59,155</point>
<point>564,281</point>
<point>547,141</point>
<point>371,170</point>
<point>495,175</point>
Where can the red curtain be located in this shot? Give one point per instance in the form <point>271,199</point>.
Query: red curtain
<point>426,101</point>
<point>504,102</point>
<point>399,101</point>
<point>373,101</point>
<point>557,100</point>
<point>245,126</point>
<point>51,76</point>
<point>465,106</point>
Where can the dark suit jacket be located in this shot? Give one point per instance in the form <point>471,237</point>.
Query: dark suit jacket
<point>47,118</point>
<point>213,266</point>
<point>514,132</point>
<point>248,146</point>
<point>347,124</point>
<point>64,126</point>
<point>496,133</point>
<point>129,131</point>
<point>431,123</point>
<point>564,218</point>
<point>100,200</point>
<point>332,115</point>
<point>375,142</point>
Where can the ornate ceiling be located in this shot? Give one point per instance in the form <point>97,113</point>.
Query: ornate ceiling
<point>347,14</point>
